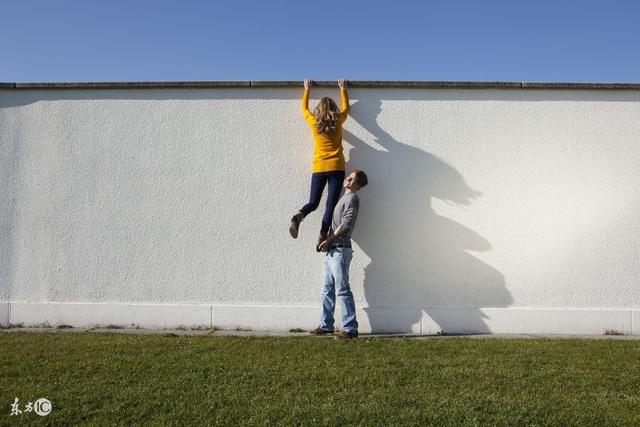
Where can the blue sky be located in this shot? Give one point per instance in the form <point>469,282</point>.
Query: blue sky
<point>133,40</point>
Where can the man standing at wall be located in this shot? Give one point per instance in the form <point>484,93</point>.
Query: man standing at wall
<point>337,260</point>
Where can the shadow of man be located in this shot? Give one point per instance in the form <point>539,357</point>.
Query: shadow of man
<point>419,259</point>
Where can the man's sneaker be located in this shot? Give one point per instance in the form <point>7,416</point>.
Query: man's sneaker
<point>295,224</point>
<point>347,335</point>
<point>319,331</point>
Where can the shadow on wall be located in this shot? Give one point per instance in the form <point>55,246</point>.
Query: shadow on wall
<point>419,259</point>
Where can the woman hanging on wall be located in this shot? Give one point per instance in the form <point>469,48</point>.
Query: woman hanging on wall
<point>328,158</point>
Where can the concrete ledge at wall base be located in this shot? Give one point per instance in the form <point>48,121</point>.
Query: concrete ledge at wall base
<point>5,317</point>
<point>415,84</point>
<point>427,320</point>
<point>124,315</point>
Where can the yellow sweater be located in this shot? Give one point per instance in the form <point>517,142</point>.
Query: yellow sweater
<point>327,155</point>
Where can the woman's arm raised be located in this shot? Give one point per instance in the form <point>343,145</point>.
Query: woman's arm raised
<point>342,83</point>
<point>305,102</point>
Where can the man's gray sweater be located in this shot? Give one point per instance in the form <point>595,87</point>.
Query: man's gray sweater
<point>344,216</point>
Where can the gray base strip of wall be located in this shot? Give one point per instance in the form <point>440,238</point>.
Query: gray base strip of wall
<point>426,320</point>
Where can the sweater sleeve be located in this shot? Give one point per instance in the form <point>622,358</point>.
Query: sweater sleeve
<point>345,101</point>
<point>305,108</point>
<point>345,105</point>
<point>350,214</point>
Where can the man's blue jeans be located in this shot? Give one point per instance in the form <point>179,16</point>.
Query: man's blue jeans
<point>336,275</point>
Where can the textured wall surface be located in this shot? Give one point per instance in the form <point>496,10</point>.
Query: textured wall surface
<point>520,201</point>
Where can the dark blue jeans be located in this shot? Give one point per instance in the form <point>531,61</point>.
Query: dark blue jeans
<point>335,180</point>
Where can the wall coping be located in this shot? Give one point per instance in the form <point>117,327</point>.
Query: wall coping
<point>419,84</point>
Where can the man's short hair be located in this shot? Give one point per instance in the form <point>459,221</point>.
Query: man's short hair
<point>361,178</point>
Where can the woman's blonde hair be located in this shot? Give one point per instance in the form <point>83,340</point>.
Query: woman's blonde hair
<point>326,114</point>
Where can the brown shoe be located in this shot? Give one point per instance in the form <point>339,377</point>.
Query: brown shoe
<point>318,331</point>
<point>347,335</point>
<point>295,224</point>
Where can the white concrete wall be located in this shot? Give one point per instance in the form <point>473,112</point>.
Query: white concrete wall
<point>490,210</point>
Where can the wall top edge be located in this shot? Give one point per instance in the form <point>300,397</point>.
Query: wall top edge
<point>331,84</point>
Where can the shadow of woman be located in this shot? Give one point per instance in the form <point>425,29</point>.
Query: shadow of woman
<point>419,259</point>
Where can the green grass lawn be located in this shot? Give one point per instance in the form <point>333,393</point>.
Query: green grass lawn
<point>125,379</point>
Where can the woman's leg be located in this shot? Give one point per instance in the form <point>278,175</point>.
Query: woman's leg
<point>318,181</point>
<point>336,179</point>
